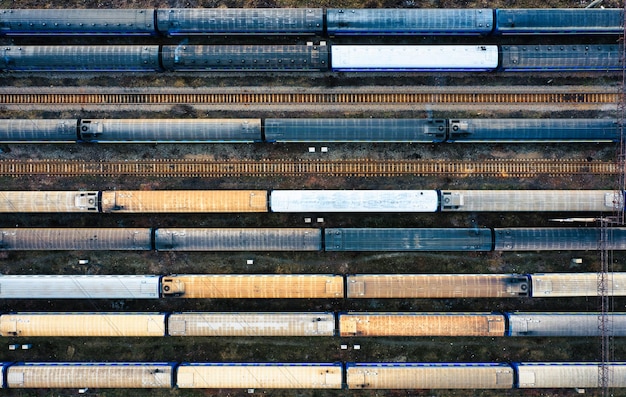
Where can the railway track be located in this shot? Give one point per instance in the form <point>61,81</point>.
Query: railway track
<point>305,98</point>
<point>166,168</point>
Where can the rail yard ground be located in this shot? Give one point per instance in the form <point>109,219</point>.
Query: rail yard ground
<point>309,349</point>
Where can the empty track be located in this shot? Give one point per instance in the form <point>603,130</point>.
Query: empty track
<point>167,168</point>
<point>304,98</point>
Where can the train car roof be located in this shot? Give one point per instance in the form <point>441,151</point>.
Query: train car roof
<point>46,239</point>
<point>555,238</point>
<point>575,284</point>
<point>354,201</point>
<point>559,21</point>
<point>49,201</point>
<point>37,130</point>
<point>568,375</point>
<point>564,324</point>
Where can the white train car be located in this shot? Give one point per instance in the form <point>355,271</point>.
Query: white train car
<point>17,201</point>
<point>354,201</point>
<point>555,285</point>
<point>362,58</point>
<point>568,375</point>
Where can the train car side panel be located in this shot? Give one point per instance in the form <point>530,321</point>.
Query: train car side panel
<point>31,201</point>
<point>429,376</point>
<point>82,324</point>
<point>550,285</point>
<point>92,374</point>
<point>79,287</point>
<point>187,201</point>
<point>390,239</point>
<point>170,130</point>
<point>244,21</point>
<point>421,324</point>
<point>577,58</point>
<point>363,58</point>
<point>564,324</point>
<point>48,239</point>
<point>254,286</point>
<point>548,239</point>
<point>37,130</point>
<point>259,375</point>
<point>251,324</point>
<point>559,21</point>
<point>355,130</point>
<point>568,374</point>
<point>225,239</point>
<point>66,22</point>
<point>74,58</point>
<point>437,286</point>
<point>354,201</point>
<point>358,22</point>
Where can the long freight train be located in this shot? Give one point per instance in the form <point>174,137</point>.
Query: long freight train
<point>310,201</point>
<point>312,58</point>
<point>309,286</point>
<point>307,130</point>
<point>391,375</point>
<point>323,324</point>
<point>316,21</point>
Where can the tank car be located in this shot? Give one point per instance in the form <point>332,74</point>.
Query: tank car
<point>92,239</point>
<point>186,201</point>
<point>57,201</point>
<point>354,201</point>
<point>260,375</point>
<point>251,324</point>
<point>533,130</point>
<point>78,287</point>
<point>382,22</point>
<point>421,324</point>
<point>557,285</point>
<point>364,58</point>
<point>437,286</point>
<point>169,130</point>
<point>240,21</point>
<point>262,58</point>
<point>90,375</point>
<point>100,22</point>
<point>564,324</point>
<point>230,239</point>
<point>558,21</point>
<point>355,130</point>
<point>74,58</point>
<point>568,374</point>
<point>561,58</point>
<point>398,239</point>
<point>429,376</point>
<point>530,200</point>
<point>253,286</point>
<point>550,239</point>
<point>82,324</point>
<point>38,130</point>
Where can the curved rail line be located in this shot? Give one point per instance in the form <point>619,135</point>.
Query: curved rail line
<point>172,168</point>
<point>292,98</point>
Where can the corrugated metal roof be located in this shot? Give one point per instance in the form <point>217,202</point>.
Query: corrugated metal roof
<point>260,375</point>
<point>354,201</point>
<point>14,201</point>
<point>429,376</point>
<point>79,287</point>
<point>231,239</point>
<point>554,238</point>
<point>131,239</point>
<point>528,200</point>
<point>568,374</point>
<point>82,324</point>
<point>258,286</point>
<point>421,324</point>
<point>189,201</point>
<point>575,284</point>
<point>437,285</point>
<point>96,375</point>
<point>564,324</point>
<point>251,324</point>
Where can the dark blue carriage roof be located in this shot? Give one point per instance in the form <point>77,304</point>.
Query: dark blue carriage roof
<point>559,21</point>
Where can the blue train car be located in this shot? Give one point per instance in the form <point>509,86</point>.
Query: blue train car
<point>240,21</point>
<point>566,238</point>
<point>562,58</point>
<point>358,22</point>
<point>392,239</point>
<point>76,58</point>
<point>94,22</point>
<point>533,130</point>
<point>38,130</point>
<point>262,58</point>
<point>355,130</point>
<point>559,21</point>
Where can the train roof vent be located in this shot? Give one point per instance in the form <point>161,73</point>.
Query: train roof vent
<point>614,200</point>
<point>452,200</point>
<point>87,201</point>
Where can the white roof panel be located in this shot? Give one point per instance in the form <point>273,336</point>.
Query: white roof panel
<point>354,201</point>
<point>398,57</point>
